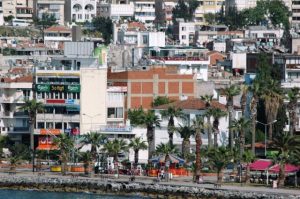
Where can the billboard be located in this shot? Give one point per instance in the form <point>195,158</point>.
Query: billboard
<point>57,88</point>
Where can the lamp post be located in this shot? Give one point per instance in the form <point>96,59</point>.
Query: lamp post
<point>91,118</point>
<point>266,133</point>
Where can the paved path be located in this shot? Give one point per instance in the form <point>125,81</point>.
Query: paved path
<point>179,181</point>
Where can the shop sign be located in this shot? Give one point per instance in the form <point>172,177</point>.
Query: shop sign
<point>73,88</point>
<point>43,87</point>
<point>49,131</point>
<point>59,88</point>
<point>69,101</point>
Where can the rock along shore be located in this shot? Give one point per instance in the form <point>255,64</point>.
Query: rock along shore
<point>104,186</point>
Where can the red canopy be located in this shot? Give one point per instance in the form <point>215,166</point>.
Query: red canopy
<point>288,168</point>
<point>260,165</point>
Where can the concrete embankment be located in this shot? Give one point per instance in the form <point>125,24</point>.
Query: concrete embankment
<point>104,186</point>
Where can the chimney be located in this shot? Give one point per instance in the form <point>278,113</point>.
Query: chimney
<point>76,33</point>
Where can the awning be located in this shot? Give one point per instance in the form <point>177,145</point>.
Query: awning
<point>173,158</point>
<point>288,168</point>
<point>46,143</point>
<point>260,165</point>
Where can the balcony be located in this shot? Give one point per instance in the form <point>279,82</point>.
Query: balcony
<point>116,129</point>
<point>20,115</point>
<point>6,115</point>
<point>58,117</point>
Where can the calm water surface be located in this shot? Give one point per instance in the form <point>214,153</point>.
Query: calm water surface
<point>12,194</point>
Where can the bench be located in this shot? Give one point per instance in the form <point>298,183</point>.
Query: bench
<point>217,185</point>
<point>41,174</point>
<point>12,173</point>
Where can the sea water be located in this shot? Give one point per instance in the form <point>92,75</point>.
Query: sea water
<point>14,194</point>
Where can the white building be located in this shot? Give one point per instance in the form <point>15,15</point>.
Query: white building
<point>240,4</point>
<point>141,38</point>
<point>80,10</point>
<point>144,10</point>
<point>115,11</point>
<point>72,89</point>
<point>50,7</point>
<point>186,33</point>
<point>14,91</point>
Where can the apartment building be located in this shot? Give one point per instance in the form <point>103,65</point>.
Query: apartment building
<point>115,9</point>
<point>50,7</point>
<point>207,6</point>
<point>80,10</point>
<point>145,84</point>
<point>55,36</point>
<point>144,10</point>
<point>240,4</point>
<point>72,89</point>
<point>14,90</point>
<point>21,9</point>
<point>1,13</point>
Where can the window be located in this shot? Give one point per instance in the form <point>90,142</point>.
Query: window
<point>183,37</point>
<point>58,125</point>
<point>49,125</point>
<point>145,39</point>
<point>115,112</point>
<point>40,125</point>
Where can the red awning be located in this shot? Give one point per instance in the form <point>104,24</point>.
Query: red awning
<point>288,168</point>
<point>46,147</point>
<point>260,165</point>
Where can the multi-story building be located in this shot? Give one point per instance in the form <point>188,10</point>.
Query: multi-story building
<point>295,7</point>
<point>55,36</point>
<point>185,32</point>
<point>144,10</point>
<point>80,10</point>
<point>207,6</point>
<point>50,7</point>
<point>14,90</point>
<point>72,89</point>
<point>240,4</point>
<point>115,9</point>
<point>145,84</point>
<point>1,13</point>
<point>20,9</point>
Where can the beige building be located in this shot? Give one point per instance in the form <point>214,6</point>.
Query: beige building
<point>207,6</point>
<point>51,7</point>
<point>21,9</point>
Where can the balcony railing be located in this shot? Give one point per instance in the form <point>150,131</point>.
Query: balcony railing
<point>180,58</point>
<point>115,128</point>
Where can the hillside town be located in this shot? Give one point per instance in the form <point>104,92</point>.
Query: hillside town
<point>157,88</point>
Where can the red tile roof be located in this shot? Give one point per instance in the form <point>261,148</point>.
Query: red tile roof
<point>193,104</point>
<point>136,25</point>
<point>18,79</point>
<point>58,29</point>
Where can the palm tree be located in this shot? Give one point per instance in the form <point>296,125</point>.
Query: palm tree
<point>230,92</point>
<point>170,114</point>
<point>217,115</point>
<point>95,140</point>
<point>241,125</point>
<point>219,158</point>
<point>198,126</point>
<point>32,107</point>
<point>247,158</point>
<point>114,147</point>
<point>272,99</point>
<point>140,118</point>
<point>255,89</point>
<point>288,147</point>
<point>207,99</point>
<point>87,159</point>
<point>208,114</point>
<point>185,132</point>
<point>137,144</point>
<point>166,150</point>
<point>292,97</point>
<point>244,89</point>
<point>65,145</point>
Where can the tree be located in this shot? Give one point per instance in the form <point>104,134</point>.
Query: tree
<point>104,25</point>
<point>185,133</point>
<point>230,92</point>
<point>114,147</point>
<point>217,114</point>
<point>170,114</point>
<point>47,20</point>
<point>245,90</point>
<point>208,114</point>
<point>9,18</point>
<point>65,144</point>
<point>95,140</point>
<point>288,147</point>
<point>161,100</point>
<point>185,9</point>
<point>210,18</point>
<point>198,126</point>
<point>87,159</point>
<point>272,100</point>
<point>166,150</point>
<point>247,158</point>
<point>292,97</point>
<point>32,107</point>
<point>241,125</point>
<point>207,99</point>
<point>137,144</point>
<point>138,117</point>
<point>219,158</point>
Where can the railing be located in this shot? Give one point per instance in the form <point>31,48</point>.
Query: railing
<point>21,129</point>
<point>115,128</point>
<point>18,114</point>
<point>180,58</point>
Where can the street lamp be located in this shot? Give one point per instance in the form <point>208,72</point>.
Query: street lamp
<point>91,117</point>
<point>266,133</point>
